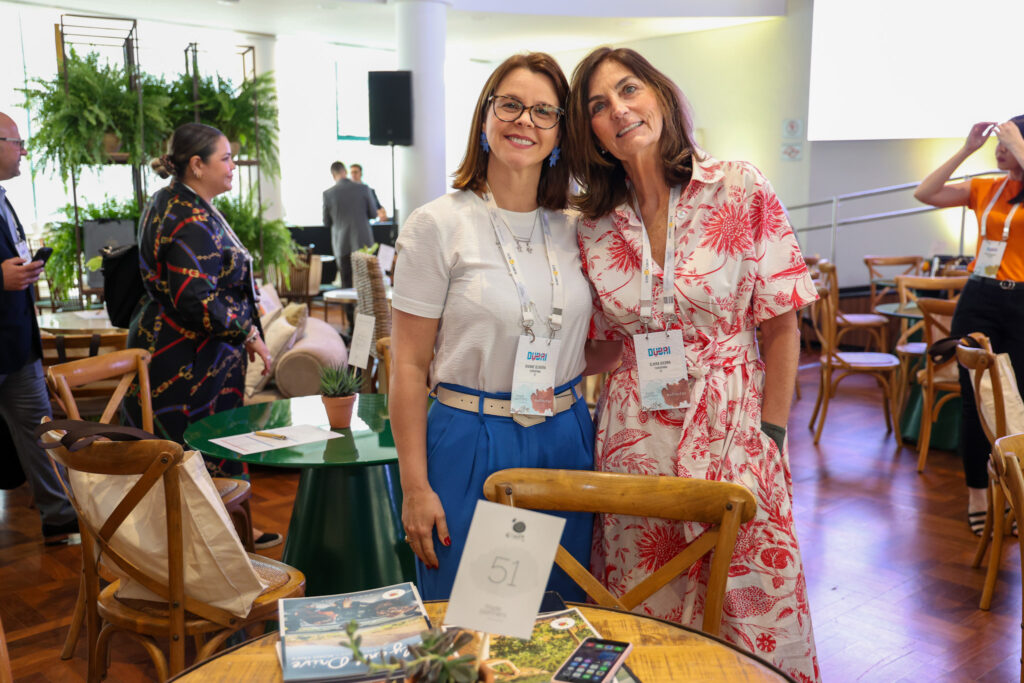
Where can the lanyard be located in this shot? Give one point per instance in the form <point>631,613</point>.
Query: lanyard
<point>1009,216</point>
<point>507,250</point>
<point>234,240</point>
<point>668,291</point>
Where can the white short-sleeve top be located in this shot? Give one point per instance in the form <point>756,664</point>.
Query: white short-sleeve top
<point>449,266</point>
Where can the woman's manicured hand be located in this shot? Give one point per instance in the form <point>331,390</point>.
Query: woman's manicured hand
<point>978,135</point>
<point>421,512</point>
<point>257,347</point>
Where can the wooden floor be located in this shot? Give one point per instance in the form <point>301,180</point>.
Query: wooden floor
<point>886,552</point>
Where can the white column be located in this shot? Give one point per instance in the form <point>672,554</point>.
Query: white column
<point>420,31</point>
<point>266,60</point>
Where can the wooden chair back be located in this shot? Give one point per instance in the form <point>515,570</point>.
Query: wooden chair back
<point>62,348</point>
<point>384,354</point>
<point>155,462</point>
<point>908,286</point>
<point>372,300</point>
<point>880,268</point>
<point>983,362</point>
<point>825,318</point>
<point>1006,458</point>
<point>124,366</point>
<point>936,325</point>
<point>722,505</point>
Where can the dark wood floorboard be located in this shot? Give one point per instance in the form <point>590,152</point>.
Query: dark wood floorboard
<point>886,552</point>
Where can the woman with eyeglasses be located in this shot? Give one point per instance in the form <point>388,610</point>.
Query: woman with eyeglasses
<point>490,313</point>
<point>689,258</point>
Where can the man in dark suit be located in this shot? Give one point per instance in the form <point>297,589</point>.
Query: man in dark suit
<point>348,209</point>
<point>356,172</point>
<point>23,398</point>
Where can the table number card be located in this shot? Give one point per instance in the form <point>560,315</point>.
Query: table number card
<point>504,570</point>
<point>362,335</point>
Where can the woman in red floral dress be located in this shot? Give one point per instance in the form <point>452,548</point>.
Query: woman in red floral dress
<point>736,267</point>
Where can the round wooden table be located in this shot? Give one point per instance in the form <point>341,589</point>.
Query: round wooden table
<point>662,652</point>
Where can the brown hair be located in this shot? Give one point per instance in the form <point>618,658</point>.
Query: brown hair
<point>189,140</point>
<point>553,189</point>
<point>601,176</point>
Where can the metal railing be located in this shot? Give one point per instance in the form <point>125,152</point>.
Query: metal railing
<point>835,223</point>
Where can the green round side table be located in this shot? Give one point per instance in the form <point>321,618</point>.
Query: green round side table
<point>346,529</point>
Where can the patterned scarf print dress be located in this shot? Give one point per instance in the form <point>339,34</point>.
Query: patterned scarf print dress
<point>200,308</point>
<point>737,264</point>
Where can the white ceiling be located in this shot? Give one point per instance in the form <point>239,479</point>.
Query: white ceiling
<point>477,29</point>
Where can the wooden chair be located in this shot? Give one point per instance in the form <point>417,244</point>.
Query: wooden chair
<point>6,676</point>
<point>177,616</point>
<point>935,378</point>
<point>983,362</point>
<point>1006,458</point>
<point>721,505</point>
<point>63,348</point>
<point>124,366</point>
<point>876,326</point>
<point>837,365</point>
<point>303,282</point>
<point>881,283</point>
<point>384,354</point>
<point>373,300</point>
<point>907,287</point>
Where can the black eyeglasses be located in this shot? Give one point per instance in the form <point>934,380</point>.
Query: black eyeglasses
<point>509,109</point>
<point>19,141</point>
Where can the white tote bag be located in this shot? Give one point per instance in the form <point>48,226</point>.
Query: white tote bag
<point>1012,401</point>
<point>217,568</point>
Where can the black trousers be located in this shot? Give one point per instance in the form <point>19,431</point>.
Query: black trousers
<point>999,313</point>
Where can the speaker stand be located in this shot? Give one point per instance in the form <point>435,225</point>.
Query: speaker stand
<point>394,210</point>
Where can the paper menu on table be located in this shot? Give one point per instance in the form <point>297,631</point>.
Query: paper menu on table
<point>296,435</point>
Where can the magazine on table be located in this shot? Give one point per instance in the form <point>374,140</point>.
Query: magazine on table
<point>313,643</point>
<point>555,636</point>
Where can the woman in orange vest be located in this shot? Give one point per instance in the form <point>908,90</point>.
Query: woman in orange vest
<point>993,300</point>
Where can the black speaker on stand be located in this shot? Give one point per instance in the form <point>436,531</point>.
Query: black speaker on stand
<point>391,116</point>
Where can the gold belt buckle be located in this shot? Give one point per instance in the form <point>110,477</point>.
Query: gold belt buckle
<point>528,420</point>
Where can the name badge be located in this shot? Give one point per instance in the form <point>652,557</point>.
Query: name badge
<point>504,570</point>
<point>989,257</point>
<point>23,251</point>
<point>661,370</point>
<point>533,379</point>
<point>362,335</point>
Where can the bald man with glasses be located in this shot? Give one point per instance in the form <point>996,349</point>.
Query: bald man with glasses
<point>23,397</point>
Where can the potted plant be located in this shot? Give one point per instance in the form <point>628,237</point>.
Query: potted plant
<point>95,104</point>
<point>435,660</point>
<point>338,387</point>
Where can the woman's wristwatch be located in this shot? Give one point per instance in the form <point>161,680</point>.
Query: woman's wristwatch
<point>775,433</point>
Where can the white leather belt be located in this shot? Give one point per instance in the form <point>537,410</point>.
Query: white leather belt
<point>502,407</point>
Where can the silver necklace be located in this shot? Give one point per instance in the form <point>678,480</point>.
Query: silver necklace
<point>525,241</point>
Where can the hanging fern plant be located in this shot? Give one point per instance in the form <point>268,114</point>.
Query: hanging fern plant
<point>72,122</point>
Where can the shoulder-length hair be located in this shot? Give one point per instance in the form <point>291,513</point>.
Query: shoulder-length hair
<point>602,177</point>
<point>553,189</point>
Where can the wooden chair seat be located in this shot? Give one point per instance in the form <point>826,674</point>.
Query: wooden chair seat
<point>912,348</point>
<point>861,320</point>
<point>946,379</point>
<point>231,491</point>
<point>862,360</point>
<point>151,618</point>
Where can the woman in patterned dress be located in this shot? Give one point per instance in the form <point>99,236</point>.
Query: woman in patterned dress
<point>736,267</point>
<point>199,320</point>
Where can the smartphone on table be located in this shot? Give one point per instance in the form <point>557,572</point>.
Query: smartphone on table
<point>595,661</point>
<point>42,254</point>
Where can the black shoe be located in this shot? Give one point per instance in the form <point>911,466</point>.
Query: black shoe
<point>57,534</point>
<point>266,540</point>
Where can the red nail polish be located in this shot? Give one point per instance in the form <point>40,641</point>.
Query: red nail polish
<point>447,540</point>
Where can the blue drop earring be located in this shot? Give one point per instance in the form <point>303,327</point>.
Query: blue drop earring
<point>555,154</point>
<point>483,142</point>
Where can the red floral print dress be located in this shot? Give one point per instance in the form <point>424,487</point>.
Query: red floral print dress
<point>737,264</point>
